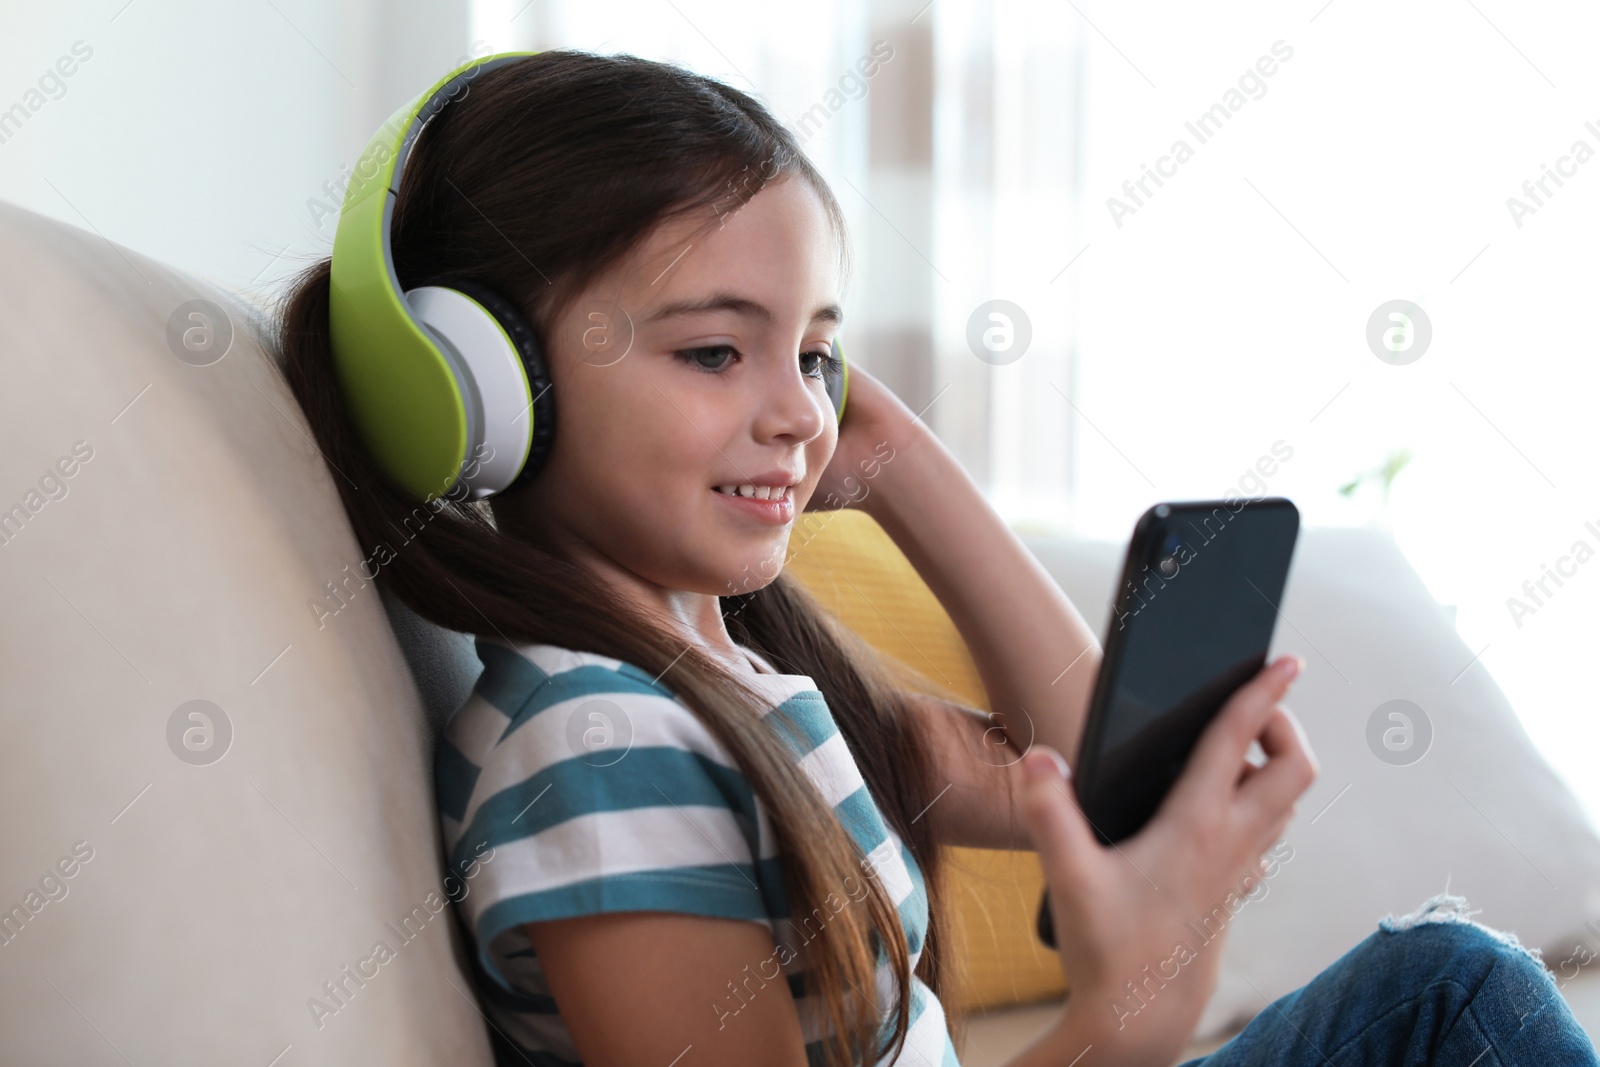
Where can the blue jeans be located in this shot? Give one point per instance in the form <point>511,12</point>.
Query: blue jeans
<point>1432,988</point>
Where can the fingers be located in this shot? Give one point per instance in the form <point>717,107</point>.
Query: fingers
<point>1215,765</point>
<point>1059,829</point>
<point>1289,770</point>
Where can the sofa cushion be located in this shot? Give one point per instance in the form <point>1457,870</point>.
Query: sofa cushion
<point>196,889</point>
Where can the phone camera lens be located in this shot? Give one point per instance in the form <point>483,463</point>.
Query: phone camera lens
<point>1167,555</point>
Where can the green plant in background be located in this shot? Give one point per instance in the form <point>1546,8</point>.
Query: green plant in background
<point>1384,474</point>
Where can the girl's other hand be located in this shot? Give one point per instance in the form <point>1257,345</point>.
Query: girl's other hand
<point>876,428</point>
<point>1140,924</point>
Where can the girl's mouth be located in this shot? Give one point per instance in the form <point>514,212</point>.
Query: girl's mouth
<point>770,504</point>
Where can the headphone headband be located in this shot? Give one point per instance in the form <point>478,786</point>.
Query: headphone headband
<point>387,361</point>
<point>435,378</point>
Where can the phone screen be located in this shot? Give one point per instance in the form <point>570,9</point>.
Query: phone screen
<point>1192,621</point>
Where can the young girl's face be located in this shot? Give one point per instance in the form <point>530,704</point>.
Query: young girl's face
<point>720,386</point>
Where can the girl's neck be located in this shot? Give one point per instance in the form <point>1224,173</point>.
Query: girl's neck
<point>693,617</point>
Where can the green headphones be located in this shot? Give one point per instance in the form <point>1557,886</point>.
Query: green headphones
<point>445,383</point>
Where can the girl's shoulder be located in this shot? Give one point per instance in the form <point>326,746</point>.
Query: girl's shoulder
<point>573,784</point>
<point>542,712</point>
<point>520,681</point>
<point>570,702</point>
<point>512,669</point>
<point>600,732</point>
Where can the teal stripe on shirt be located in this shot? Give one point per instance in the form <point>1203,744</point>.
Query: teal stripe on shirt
<point>724,890</point>
<point>653,777</point>
<point>508,676</point>
<point>803,721</point>
<point>592,681</point>
<point>861,818</point>
<point>453,778</point>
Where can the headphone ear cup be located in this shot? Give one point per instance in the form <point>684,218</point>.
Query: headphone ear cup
<point>838,382</point>
<point>527,344</point>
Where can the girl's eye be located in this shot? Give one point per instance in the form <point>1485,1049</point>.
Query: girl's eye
<point>826,363</point>
<point>693,356</point>
<point>713,360</point>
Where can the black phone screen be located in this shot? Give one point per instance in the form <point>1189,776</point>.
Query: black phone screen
<point>1192,620</point>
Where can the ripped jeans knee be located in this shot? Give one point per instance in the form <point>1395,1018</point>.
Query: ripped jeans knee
<point>1433,986</point>
<point>1449,910</point>
<point>1510,990</point>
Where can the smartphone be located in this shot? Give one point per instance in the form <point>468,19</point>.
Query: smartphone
<point>1191,622</point>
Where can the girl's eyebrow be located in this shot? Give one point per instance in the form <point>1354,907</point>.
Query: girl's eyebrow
<point>831,314</point>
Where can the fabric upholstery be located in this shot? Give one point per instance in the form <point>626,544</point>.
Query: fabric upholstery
<point>181,563</point>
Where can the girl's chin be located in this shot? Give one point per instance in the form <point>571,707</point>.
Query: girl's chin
<point>744,571</point>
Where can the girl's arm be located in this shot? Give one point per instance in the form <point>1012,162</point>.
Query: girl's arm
<point>677,990</point>
<point>651,987</point>
<point>1036,655</point>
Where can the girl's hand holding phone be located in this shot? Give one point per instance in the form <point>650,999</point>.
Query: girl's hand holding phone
<point>1128,918</point>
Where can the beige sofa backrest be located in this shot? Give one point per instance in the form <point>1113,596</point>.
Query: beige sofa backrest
<point>165,527</point>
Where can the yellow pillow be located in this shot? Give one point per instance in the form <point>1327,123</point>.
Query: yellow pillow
<point>847,561</point>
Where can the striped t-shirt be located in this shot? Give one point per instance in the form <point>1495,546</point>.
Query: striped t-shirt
<point>600,791</point>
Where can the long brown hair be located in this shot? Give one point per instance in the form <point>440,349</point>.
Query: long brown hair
<point>548,172</point>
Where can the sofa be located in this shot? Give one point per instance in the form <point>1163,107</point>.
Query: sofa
<point>217,745</point>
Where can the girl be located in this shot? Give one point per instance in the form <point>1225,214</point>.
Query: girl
<point>714,814</point>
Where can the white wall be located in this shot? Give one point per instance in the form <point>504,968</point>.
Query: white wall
<point>196,132</point>
<point>1230,310</point>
